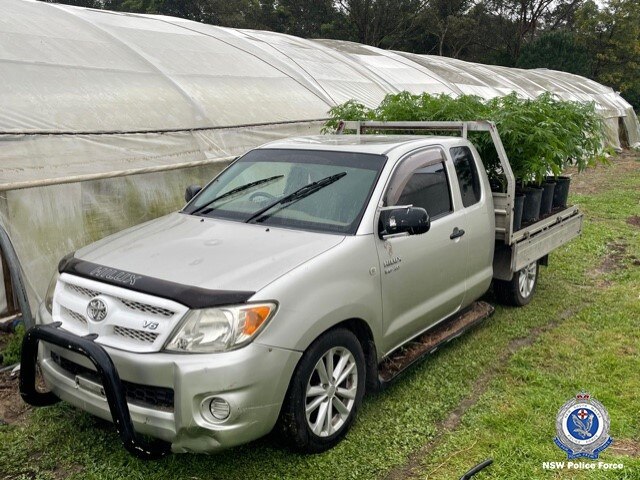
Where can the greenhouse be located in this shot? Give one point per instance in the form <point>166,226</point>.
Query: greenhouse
<point>106,117</point>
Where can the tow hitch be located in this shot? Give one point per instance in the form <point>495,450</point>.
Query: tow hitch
<point>113,389</point>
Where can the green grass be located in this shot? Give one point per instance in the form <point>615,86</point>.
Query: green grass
<point>11,351</point>
<point>585,328</point>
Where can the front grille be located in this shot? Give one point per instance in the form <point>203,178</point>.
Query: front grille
<point>133,334</point>
<point>134,322</point>
<point>152,396</point>
<point>160,398</point>
<point>85,292</point>
<point>130,304</point>
<point>144,308</point>
<point>75,316</point>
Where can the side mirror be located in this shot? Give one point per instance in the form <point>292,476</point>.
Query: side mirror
<point>398,220</point>
<point>191,191</point>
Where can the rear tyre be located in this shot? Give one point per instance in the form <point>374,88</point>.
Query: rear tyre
<point>325,392</point>
<point>520,289</point>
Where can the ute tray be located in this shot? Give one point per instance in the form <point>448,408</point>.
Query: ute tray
<point>429,341</point>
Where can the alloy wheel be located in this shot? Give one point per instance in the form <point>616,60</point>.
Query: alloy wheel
<point>331,391</point>
<point>527,279</point>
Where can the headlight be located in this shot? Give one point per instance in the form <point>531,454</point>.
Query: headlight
<point>220,329</point>
<point>48,298</point>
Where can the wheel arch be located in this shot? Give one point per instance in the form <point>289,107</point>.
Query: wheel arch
<point>288,420</point>
<point>362,331</point>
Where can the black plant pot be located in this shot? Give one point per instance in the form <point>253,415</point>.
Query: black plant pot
<point>531,207</point>
<point>518,203</point>
<point>561,192</point>
<point>546,202</point>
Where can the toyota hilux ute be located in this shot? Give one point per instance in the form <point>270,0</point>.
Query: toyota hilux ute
<point>277,294</point>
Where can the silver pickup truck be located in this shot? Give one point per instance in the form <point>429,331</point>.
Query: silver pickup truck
<point>275,295</point>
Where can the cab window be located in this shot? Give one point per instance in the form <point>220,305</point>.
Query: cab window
<point>467,173</point>
<point>421,180</point>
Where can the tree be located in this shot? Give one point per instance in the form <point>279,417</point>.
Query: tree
<point>443,27</point>
<point>557,50</point>
<point>306,19</point>
<point>528,17</point>
<point>490,37</point>
<point>381,22</point>
<point>611,35</point>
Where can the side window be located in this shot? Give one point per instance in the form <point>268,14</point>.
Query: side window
<point>421,180</point>
<point>428,188</point>
<point>467,173</point>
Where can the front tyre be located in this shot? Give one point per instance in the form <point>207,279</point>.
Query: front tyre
<point>520,289</point>
<point>325,392</point>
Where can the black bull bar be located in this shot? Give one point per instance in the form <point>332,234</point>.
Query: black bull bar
<point>111,383</point>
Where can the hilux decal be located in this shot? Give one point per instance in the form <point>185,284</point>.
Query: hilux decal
<point>392,264</point>
<point>119,276</point>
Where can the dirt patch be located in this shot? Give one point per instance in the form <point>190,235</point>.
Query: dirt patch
<point>630,448</point>
<point>410,468</point>
<point>67,471</point>
<point>602,177</point>
<point>617,258</point>
<point>59,472</point>
<point>634,220</point>
<point>429,341</point>
<point>614,260</point>
<point>12,408</point>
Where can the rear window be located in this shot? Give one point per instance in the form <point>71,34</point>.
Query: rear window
<point>467,173</point>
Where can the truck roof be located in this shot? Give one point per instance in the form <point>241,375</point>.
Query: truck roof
<point>376,144</point>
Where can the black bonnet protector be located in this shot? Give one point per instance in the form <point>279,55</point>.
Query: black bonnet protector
<point>192,297</point>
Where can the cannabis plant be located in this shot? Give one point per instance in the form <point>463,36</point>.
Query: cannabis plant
<point>541,136</point>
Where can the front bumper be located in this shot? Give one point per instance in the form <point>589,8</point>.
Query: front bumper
<point>253,380</point>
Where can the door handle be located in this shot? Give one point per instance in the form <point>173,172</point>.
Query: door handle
<point>457,233</point>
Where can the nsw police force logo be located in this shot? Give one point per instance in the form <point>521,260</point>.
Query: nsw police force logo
<point>582,427</point>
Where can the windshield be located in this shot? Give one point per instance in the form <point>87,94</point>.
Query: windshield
<point>335,188</point>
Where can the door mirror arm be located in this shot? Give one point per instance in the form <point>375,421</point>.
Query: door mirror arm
<point>191,191</point>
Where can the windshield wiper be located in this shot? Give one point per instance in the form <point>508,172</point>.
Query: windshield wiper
<point>234,191</point>
<point>297,195</point>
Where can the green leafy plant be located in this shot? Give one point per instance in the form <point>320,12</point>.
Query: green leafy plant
<point>541,136</point>
<point>545,135</point>
<point>350,110</point>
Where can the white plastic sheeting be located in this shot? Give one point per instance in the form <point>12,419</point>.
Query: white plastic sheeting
<point>105,117</point>
<point>77,84</point>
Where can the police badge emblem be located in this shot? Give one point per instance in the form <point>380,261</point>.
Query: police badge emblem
<point>582,427</point>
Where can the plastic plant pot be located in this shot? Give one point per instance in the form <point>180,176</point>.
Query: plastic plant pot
<point>531,207</point>
<point>561,192</point>
<point>546,203</point>
<point>518,204</point>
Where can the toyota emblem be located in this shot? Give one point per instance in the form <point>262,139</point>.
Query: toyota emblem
<point>97,310</point>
